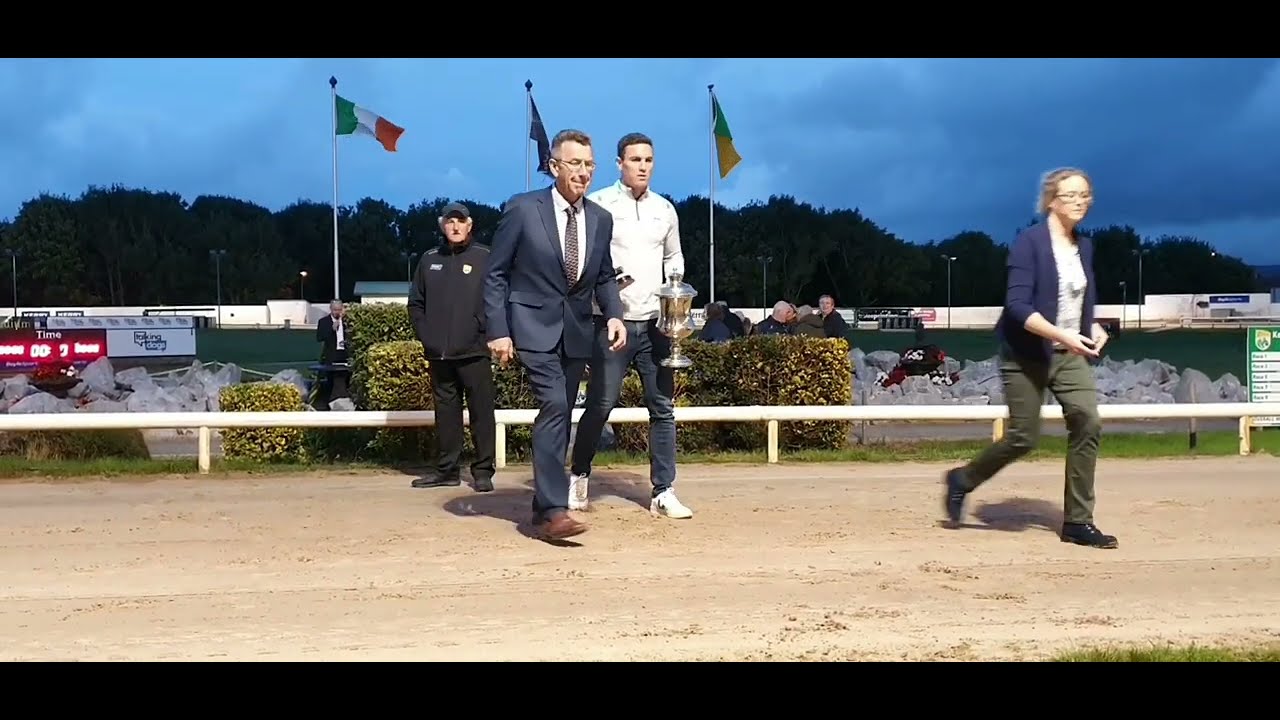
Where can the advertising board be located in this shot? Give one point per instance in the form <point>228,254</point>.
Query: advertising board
<point>24,349</point>
<point>153,336</point>
<point>1263,353</point>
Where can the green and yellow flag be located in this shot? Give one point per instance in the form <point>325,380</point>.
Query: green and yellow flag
<point>726,154</point>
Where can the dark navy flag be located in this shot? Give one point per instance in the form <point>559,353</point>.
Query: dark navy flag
<point>538,134</point>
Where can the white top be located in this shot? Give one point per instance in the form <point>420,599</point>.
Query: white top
<point>646,245</point>
<point>1071,286</point>
<point>562,223</point>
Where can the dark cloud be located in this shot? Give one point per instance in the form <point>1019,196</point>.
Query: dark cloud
<point>929,147</point>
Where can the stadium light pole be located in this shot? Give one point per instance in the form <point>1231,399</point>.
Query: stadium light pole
<point>408,263</point>
<point>764,281</point>
<point>1141,251</point>
<point>217,256</point>
<point>1124,302</point>
<point>950,259</point>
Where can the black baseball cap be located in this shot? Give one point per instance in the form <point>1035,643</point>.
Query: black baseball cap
<point>455,209</point>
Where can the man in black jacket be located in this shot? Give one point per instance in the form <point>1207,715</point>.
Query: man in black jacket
<point>446,305</point>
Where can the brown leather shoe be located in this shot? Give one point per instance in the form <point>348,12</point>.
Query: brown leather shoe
<point>560,526</point>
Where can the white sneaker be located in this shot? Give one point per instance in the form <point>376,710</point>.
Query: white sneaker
<point>577,492</point>
<point>669,505</point>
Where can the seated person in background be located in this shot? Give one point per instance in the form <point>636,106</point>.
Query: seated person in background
<point>732,320</point>
<point>808,323</point>
<point>832,322</point>
<point>778,323</point>
<point>714,327</point>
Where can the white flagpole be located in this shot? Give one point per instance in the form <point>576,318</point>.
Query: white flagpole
<point>333,121</point>
<point>711,195</point>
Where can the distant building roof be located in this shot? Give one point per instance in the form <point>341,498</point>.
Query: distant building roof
<point>381,287</point>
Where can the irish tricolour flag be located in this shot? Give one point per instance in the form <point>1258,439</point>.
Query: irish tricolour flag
<point>355,120</point>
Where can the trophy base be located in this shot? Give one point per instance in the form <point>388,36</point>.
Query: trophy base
<point>679,361</point>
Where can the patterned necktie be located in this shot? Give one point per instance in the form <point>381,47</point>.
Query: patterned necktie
<point>571,246</point>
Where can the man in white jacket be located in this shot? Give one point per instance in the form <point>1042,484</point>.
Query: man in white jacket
<point>646,250</point>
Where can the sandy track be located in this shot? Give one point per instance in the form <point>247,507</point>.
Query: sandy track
<point>791,562</point>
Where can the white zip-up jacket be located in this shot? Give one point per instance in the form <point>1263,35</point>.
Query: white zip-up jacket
<point>646,245</point>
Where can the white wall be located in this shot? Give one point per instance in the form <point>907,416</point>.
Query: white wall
<point>1157,311</point>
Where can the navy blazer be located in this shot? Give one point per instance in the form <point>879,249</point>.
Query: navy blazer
<point>526,295</point>
<point>1033,287</point>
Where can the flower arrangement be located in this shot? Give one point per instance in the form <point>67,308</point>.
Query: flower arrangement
<point>55,377</point>
<point>53,370</point>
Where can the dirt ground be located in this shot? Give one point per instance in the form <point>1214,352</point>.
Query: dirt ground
<point>810,562</point>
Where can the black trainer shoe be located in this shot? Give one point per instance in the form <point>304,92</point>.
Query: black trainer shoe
<point>1089,535</point>
<point>482,483</point>
<point>953,500</point>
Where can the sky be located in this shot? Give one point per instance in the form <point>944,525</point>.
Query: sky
<point>926,148</point>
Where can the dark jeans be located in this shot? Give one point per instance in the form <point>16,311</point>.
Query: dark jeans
<point>645,347</point>
<point>1070,378</point>
<point>450,379</point>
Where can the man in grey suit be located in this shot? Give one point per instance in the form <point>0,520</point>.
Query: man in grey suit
<point>550,258</point>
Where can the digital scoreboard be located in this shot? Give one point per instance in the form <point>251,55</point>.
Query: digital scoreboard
<point>24,350</point>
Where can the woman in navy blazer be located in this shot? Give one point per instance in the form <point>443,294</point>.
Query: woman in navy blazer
<point>1047,336</point>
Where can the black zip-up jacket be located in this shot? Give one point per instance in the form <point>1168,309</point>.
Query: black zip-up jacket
<point>446,301</point>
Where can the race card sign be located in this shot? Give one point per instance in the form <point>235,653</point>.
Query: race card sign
<point>1263,349</point>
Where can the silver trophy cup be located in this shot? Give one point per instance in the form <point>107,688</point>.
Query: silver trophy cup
<point>675,318</point>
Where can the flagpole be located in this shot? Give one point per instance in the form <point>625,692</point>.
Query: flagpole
<point>711,195</point>
<point>333,122</point>
<point>528,123</point>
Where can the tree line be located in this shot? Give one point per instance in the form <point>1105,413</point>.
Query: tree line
<point>127,246</point>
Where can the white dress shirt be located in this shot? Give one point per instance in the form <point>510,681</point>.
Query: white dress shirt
<point>645,244</point>
<point>562,224</point>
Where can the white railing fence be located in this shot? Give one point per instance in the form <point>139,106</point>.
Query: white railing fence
<point>771,415</point>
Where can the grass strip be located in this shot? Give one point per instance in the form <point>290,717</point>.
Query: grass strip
<point>1114,446</point>
<point>1172,653</point>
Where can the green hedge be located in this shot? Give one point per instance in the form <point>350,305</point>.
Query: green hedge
<point>368,325</point>
<point>284,444</point>
<point>397,378</point>
<point>756,370</point>
<point>389,372</point>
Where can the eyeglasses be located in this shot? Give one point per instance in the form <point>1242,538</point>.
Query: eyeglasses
<point>577,164</point>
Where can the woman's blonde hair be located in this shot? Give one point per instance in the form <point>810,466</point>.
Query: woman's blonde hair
<point>1049,186</point>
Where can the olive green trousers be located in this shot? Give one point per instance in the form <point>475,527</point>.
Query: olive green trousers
<point>1070,379</point>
